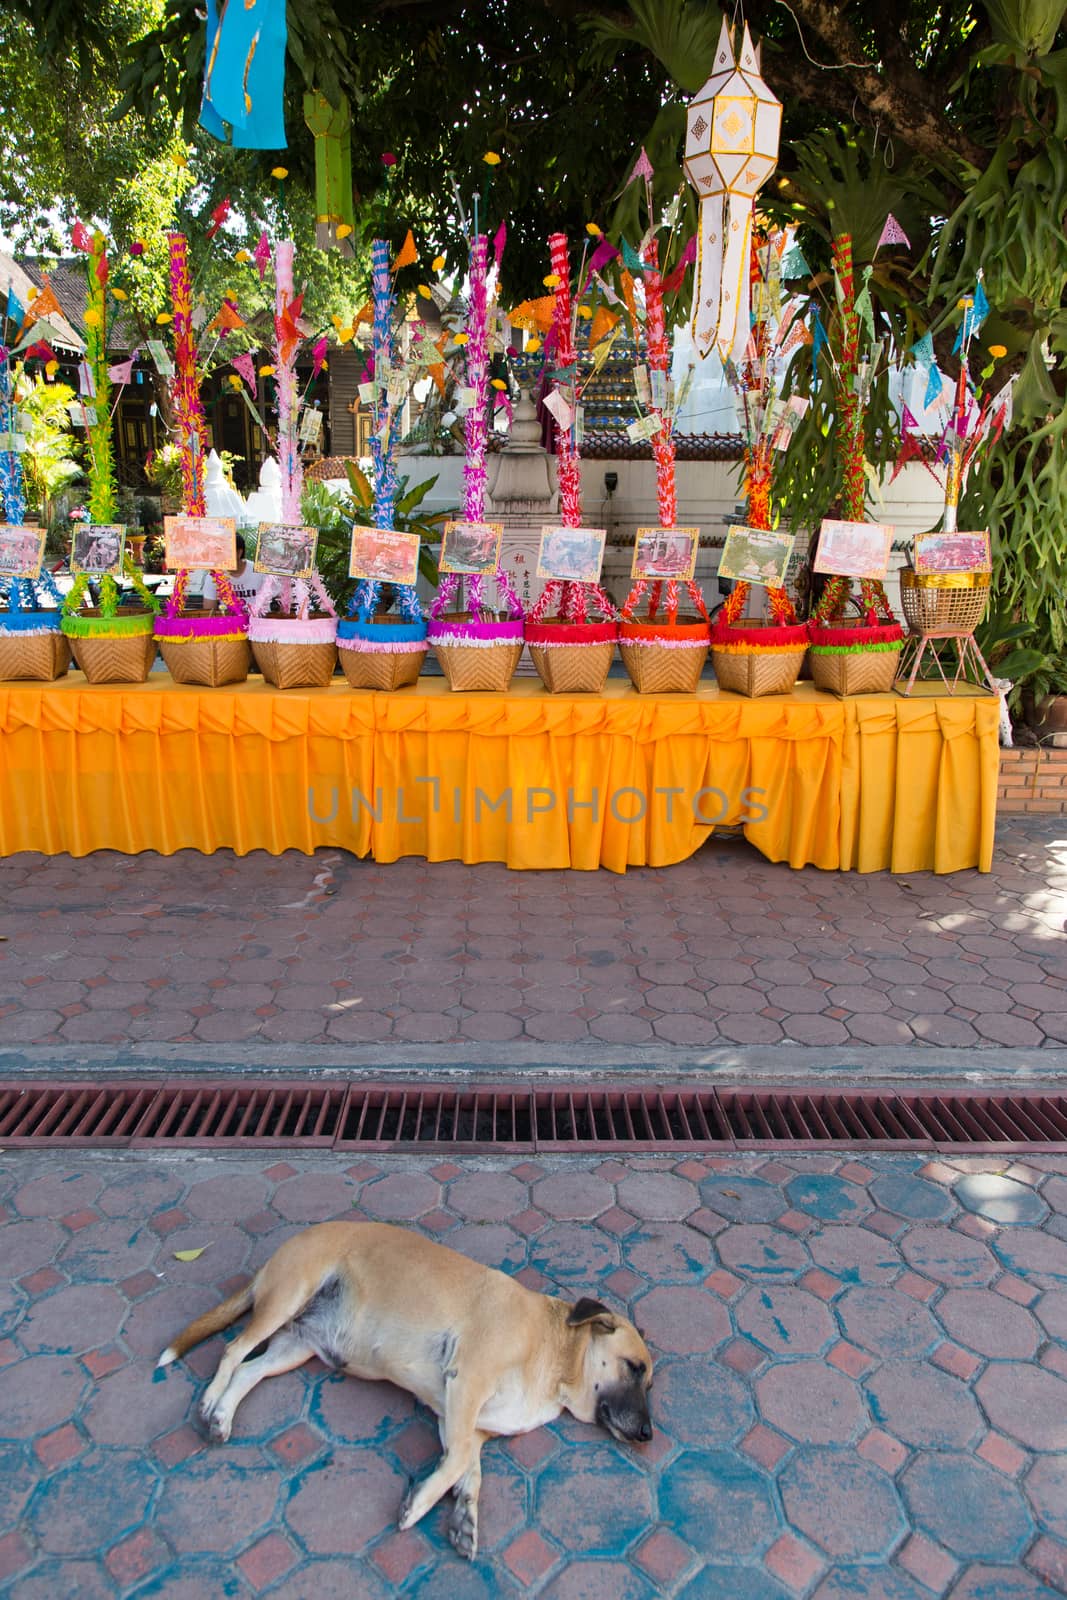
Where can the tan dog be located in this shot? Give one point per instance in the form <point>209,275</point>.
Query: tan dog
<point>485,1354</point>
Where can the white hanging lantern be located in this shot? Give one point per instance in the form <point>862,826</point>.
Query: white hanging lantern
<point>731,149</point>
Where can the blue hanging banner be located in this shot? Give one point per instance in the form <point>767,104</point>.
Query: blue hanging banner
<point>922,352</point>
<point>244,79</point>
<point>818,339</point>
<point>933,387</point>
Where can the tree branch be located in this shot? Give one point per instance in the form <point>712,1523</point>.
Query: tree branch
<point>909,105</point>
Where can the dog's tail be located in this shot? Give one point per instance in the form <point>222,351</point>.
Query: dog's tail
<point>211,1322</point>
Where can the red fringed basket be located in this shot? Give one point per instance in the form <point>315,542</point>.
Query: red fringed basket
<point>756,658</point>
<point>664,653</point>
<point>572,654</point>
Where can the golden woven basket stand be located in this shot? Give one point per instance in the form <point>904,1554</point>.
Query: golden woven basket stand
<point>943,604</point>
<point>207,662</point>
<point>295,666</point>
<point>757,672</point>
<point>37,657</point>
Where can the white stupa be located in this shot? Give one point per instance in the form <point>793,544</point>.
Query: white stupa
<point>221,499</point>
<point>265,503</point>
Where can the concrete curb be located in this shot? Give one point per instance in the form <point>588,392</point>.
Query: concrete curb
<point>841,1067</point>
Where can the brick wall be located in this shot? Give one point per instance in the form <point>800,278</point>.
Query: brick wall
<point>1032,781</point>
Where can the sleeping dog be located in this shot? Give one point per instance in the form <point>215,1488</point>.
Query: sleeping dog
<point>485,1354</point>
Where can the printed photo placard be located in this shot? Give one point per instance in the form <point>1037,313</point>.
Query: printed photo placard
<point>98,548</point>
<point>756,555</point>
<point>21,550</point>
<point>953,552</point>
<point>853,549</point>
<point>472,548</point>
<point>383,556</point>
<point>665,553</point>
<point>575,555</point>
<point>285,550</point>
<point>200,544</point>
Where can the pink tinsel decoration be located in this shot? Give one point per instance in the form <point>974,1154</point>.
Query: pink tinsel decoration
<point>659,360</point>
<point>478,381</point>
<point>569,464</point>
<point>292,469</point>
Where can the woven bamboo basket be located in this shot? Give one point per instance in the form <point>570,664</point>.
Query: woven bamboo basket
<point>943,604</point>
<point>294,666</point>
<point>664,658</point>
<point>771,662</point>
<point>206,660</point>
<point>109,657</point>
<point>572,658</point>
<point>381,652</point>
<point>477,652</point>
<point>36,657</point>
<point>869,666</point>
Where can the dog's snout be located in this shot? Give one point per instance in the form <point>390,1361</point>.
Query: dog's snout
<point>645,1432</point>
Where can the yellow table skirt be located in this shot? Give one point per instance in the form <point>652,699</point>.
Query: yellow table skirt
<point>527,778</point>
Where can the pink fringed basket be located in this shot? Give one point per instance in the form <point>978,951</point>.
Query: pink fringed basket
<point>478,649</point>
<point>296,647</point>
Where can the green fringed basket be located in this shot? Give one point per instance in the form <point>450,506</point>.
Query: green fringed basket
<point>111,645</point>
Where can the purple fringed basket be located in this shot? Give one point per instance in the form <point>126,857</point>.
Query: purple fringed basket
<point>478,649</point>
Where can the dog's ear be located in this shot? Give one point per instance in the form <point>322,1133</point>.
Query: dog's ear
<point>586,1311</point>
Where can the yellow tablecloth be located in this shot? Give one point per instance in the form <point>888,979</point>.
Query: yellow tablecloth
<point>527,778</point>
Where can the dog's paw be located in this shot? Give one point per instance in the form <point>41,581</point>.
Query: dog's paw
<point>463,1527</point>
<point>212,1426</point>
<point>404,1516</point>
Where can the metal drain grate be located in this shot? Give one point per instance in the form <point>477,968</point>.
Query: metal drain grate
<point>518,1119</point>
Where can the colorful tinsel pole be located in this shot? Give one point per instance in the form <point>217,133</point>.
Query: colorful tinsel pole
<point>286,344</point>
<point>189,410</point>
<point>572,597</point>
<point>477,422</point>
<point>383,454</point>
<point>11,484</point>
<point>101,449</point>
<point>383,438</point>
<point>659,360</point>
<point>850,430</point>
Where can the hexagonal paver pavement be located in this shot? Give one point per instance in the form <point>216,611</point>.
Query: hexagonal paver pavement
<point>335,951</point>
<point>845,1409</point>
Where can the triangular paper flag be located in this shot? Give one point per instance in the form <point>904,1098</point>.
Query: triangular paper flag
<point>15,309</point>
<point>642,168</point>
<point>121,372</point>
<point>498,244</point>
<point>261,254</point>
<point>227,321</point>
<point>408,253</point>
<point>602,324</point>
<point>631,257</point>
<point>933,386</point>
<point>922,352</point>
<point>245,365</point>
<point>908,423</point>
<point>318,356</point>
<point>46,304</point>
<point>794,265</point>
<point>80,237</point>
<point>892,233</point>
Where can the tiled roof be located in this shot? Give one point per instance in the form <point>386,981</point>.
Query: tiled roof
<point>64,333</point>
<point>68,280</point>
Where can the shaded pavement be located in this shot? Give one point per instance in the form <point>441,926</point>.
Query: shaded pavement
<point>726,949</point>
<point>860,1393</point>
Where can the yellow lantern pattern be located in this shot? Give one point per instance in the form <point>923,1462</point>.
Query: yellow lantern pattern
<point>731,149</point>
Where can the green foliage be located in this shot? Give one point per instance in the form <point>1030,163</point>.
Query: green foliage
<point>48,462</point>
<point>336,515</point>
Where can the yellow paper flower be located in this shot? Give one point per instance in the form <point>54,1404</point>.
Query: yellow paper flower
<point>235,380</point>
<point>179,159</point>
<point>998,350</point>
<point>32,294</point>
<point>552,281</point>
<point>438,263</point>
<point>120,294</point>
<point>533,345</point>
<point>92,318</point>
<point>163,318</point>
<point>424,292</point>
<point>344,230</point>
<point>279,172</point>
<point>497,383</point>
<point>593,231</point>
<point>51,367</point>
<point>491,158</point>
<point>584,311</point>
<point>242,256</point>
<point>344,334</point>
<point>266,372</point>
<point>461,338</point>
